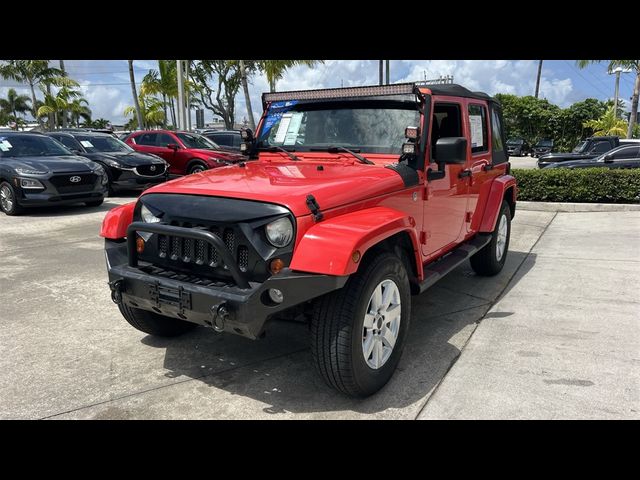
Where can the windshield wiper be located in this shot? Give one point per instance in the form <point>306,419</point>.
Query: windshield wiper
<point>336,149</point>
<point>275,148</point>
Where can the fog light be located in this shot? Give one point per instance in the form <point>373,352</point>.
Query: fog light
<point>139,245</point>
<point>276,265</point>
<point>276,295</point>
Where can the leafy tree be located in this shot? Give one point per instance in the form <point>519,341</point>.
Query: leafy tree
<point>100,123</point>
<point>151,111</point>
<point>633,65</point>
<point>15,103</point>
<point>220,98</point>
<point>79,108</point>
<point>35,73</point>
<point>608,124</point>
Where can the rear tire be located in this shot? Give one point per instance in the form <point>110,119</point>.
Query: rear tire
<point>9,200</point>
<point>154,324</point>
<point>343,327</point>
<point>491,258</point>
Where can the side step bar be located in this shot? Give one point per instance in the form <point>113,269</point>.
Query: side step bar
<point>438,269</point>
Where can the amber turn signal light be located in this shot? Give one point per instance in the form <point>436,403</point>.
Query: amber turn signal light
<point>355,256</point>
<point>276,265</point>
<point>139,245</point>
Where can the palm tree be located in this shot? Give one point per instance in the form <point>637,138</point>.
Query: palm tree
<point>163,82</point>
<point>275,69</point>
<point>53,104</point>
<point>151,110</point>
<point>132,78</point>
<point>32,72</point>
<point>15,103</point>
<point>608,124</point>
<point>633,65</point>
<point>79,109</point>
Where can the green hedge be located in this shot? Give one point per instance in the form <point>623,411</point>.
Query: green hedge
<point>599,185</point>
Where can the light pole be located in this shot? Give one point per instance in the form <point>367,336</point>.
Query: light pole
<point>617,71</point>
<point>538,78</point>
<point>180,112</point>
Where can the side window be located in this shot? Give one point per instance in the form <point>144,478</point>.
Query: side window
<point>446,121</point>
<point>496,133</point>
<point>147,139</point>
<point>626,153</point>
<point>68,142</point>
<point>237,140</point>
<point>601,147</point>
<point>478,127</point>
<point>164,140</point>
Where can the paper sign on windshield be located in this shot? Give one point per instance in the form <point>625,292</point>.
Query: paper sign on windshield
<point>283,128</point>
<point>5,145</point>
<point>294,127</point>
<point>86,143</point>
<point>475,122</point>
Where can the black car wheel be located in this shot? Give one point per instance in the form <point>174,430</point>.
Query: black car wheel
<point>8,200</point>
<point>197,168</point>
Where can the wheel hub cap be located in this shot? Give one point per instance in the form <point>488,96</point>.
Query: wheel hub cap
<point>381,324</point>
<point>6,198</point>
<point>502,237</point>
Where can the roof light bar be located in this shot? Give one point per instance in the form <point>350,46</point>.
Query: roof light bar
<point>395,89</point>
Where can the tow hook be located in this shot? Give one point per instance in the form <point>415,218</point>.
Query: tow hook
<point>219,314</point>
<point>116,291</point>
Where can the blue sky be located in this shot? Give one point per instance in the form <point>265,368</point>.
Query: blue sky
<point>105,83</point>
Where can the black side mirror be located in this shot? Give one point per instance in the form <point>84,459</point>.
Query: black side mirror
<point>608,158</point>
<point>172,146</point>
<point>451,150</point>
<point>247,141</point>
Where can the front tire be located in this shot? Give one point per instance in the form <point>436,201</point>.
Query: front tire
<point>9,200</point>
<point>197,168</point>
<point>358,332</point>
<point>154,324</point>
<point>491,258</point>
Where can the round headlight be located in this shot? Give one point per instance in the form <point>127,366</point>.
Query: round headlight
<point>279,232</point>
<point>147,216</point>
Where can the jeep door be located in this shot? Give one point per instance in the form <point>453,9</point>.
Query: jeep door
<point>446,198</point>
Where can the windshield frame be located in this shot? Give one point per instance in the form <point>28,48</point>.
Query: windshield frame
<point>179,135</point>
<point>84,137</point>
<point>63,151</point>
<point>581,147</point>
<point>391,102</point>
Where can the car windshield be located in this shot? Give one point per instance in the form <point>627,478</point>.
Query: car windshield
<point>580,147</point>
<point>193,140</point>
<point>545,143</point>
<point>372,126</point>
<point>95,144</point>
<point>30,146</point>
<point>515,142</point>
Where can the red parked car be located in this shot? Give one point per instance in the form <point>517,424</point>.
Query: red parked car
<point>185,152</point>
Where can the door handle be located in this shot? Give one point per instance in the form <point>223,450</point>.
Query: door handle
<point>465,173</point>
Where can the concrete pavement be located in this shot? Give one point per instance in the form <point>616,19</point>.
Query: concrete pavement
<point>564,341</point>
<point>67,352</point>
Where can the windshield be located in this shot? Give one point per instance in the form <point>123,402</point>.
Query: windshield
<point>94,144</point>
<point>545,143</point>
<point>30,146</point>
<point>580,147</point>
<point>515,142</point>
<point>371,126</point>
<point>193,140</point>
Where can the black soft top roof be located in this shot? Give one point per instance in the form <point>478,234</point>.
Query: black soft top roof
<point>456,90</point>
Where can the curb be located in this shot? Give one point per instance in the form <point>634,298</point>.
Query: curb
<point>577,207</point>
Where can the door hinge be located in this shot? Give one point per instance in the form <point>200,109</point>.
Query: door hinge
<point>312,203</point>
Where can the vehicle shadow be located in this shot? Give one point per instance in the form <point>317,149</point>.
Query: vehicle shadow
<point>278,371</point>
<point>80,208</point>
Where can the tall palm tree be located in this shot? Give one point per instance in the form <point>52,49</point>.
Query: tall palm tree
<point>55,103</point>
<point>79,109</point>
<point>15,103</point>
<point>275,69</point>
<point>151,112</point>
<point>163,82</point>
<point>633,65</point>
<point>64,112</point>
<point>608,124</point>
<point>32,72</point>
<point>132,78</point>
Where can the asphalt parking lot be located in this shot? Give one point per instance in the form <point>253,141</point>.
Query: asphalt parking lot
<point>555,335</point>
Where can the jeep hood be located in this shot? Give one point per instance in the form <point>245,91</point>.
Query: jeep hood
<point>289,183</point>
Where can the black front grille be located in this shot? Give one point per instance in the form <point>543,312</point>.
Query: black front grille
<point>74,183</point>
<point>150,170</point>
<point>180,252</point>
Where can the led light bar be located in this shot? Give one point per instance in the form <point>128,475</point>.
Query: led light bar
<point>347,92</point>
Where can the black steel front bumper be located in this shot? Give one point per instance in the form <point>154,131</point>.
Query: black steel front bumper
<point>224,306</point>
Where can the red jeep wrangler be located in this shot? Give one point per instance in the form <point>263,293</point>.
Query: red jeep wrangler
<point>350,201</point>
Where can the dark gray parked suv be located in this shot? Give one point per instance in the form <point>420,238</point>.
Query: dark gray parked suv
<point>227,139</point>
<point>35,170</point>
